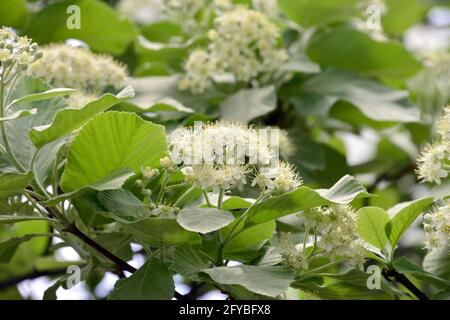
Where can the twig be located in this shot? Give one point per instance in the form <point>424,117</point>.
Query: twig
<point>34,275</point>
<point>401,278</point>
<point>123,265</point>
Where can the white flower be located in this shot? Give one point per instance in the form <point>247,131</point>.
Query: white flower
<point>443,126</point>
<point>336,235</point>
<point>199,69</point>
<point>222,155</point>
<point>430,166</point>
<point>15,49</point>
<point>437,227</point>
<point>286,178</point>
<point>142,11</point>
<point>79,99</point>
<point>268,7</point>
<point>184,12</point>
<point>294,257</point>
<point>336,231</point>
<point>287,147</point>
<point>244,43</point>
<point>78,68</point>
<point>433,162</point>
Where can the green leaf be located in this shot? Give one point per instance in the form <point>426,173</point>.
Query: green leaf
<point>204,220</point>
<point>235,202</point>
<point>403,215</point>
<point>188,263</point>
<point>161,232</point>
<point>45,160</point>
<point>246,245</point>
<point>403,265</point>
<point>26,252</point>
<point>124,205</point>
<point>50,293</point>
<point>48,94</point>
<point>351,285</point>
<point>343,192</point>
<point>117,243</point>
<point>403,14</point>
<point>169,105</point>
<point>102,28</point>
<point>17,130</point>
<point>265,280</point>
<point>13,13</point>
<point>18,114</point>
<point>153,281</point>
<point>13,183</point>
<point>371,226</point>
<point>8,248</point>
<point>299,63</point>
<point>379,103</point>
<point>309,13</point>
<point>10,219</point>
<point>332,47</point>
<point>113,181</point>
<point>150,90</point>
<point>109,142</point>
<point>248,104</point>
<point>67,120</point>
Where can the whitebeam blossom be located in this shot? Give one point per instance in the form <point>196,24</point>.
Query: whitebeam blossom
<point>433,162</point>
<point>16,52</point>
<point>335,231</point>
<point>244,43</point>
<point>437,227</point>
<point>78,68</point>
<point>223,155</point>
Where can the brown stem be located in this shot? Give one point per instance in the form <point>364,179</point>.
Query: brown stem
<point>401,278</point>
<point>122,265</point>
<point>34,275</point>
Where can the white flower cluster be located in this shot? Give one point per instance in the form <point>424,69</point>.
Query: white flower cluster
<point>287,145</point>
<point>243,44</point>
<point>268,7</point>
<point>433,162</point>
<point>16,52</point>
<point>185,8</point>
<point>142,11</point>
<point>79,68</point>
<point>281,177</point>
<point>184,12</point>
<point>336,230</point>
<point>222,155</point>
<point>293,254</point>
<point>437,227</point>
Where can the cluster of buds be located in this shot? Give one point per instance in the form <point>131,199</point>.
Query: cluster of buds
<point>336,232</point>
<point>148,174</point>
<point>293,254</point>
<point>16,52</point>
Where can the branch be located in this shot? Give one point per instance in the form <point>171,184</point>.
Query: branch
<point>34,275</point>
<point>123,265</point>
<point>401,278</point>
